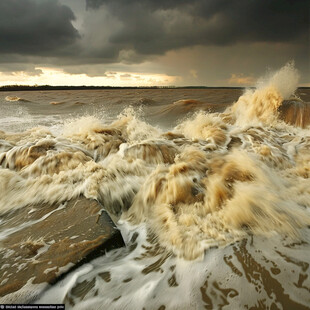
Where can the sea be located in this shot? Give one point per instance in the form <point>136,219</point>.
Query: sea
<point>210,189</point>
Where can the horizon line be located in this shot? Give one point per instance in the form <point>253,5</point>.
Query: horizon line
<point>16,87</point>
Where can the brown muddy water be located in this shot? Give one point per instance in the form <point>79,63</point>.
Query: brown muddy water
<point>210,189</point>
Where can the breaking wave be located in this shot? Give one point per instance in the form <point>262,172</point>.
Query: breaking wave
<point>15,98</point>
<point>221,193</point>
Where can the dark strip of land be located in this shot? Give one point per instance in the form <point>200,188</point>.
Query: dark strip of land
<point>49,87</point>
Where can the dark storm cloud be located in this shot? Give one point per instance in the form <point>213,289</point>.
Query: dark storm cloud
<point>150,4</point>
<point>115,34</point>
<point>10,68</point>
<point>35,27</point>
<point>154,27</point>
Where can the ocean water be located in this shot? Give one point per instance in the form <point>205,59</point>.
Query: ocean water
<point>209,187</point>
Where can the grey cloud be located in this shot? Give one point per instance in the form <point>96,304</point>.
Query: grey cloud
<point>260,20</point>
<point>36,27</point>
<point>147,4</point>
<point>13,68</point>
<point>154,27</point>
<point>115,34</point>
<point>215,64</point>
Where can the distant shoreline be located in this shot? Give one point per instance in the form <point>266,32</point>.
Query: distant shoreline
<point>49,87</point>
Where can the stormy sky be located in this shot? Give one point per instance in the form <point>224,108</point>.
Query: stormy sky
<point>148,42</point>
